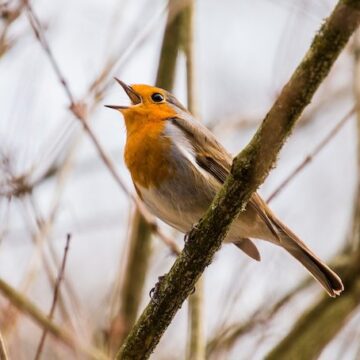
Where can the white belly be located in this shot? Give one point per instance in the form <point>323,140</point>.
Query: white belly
<point>180,212</point>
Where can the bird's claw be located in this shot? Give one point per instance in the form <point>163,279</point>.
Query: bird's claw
<point>154,291</point>
<point>187,235</point>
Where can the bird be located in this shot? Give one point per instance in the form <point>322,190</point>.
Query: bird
<point>177,166</point>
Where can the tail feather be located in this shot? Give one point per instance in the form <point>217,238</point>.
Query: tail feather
<point>321,272</point>
<point>278,233</point>
<point>330,281</point>
<point>248,247</point>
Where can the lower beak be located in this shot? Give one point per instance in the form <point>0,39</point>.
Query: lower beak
<point>133,96</point>
<point>117,107</point>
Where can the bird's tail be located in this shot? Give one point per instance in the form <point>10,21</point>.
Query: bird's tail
<point>330,281</point>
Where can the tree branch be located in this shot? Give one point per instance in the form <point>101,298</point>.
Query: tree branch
<point>307,160</point>
<point>55,297</point>
<point>229,335</point>
<point>165,77</point>
<point>249,170</point>
<point>3,351</point>
<point>195,349</point>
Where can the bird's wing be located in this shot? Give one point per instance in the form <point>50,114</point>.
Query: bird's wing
<point>210,154</point>
<point>215,159</point>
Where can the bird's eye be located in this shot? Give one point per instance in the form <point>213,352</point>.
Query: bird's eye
<point>156,97</point>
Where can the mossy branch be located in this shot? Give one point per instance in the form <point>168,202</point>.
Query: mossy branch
<point>249,170</point>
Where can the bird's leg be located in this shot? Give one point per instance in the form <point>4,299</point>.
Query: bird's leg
<point>186,237</point>
<point>154,291</point>
<point>187,234</point>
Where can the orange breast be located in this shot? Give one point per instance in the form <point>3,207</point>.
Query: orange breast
<point>147,154</point>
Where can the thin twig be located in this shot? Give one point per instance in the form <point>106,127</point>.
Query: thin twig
<point>99,86</point>
<point>231,333</point>
<point>55,297</point>
<point>64,336</point>
<point>312,155</point>
<point>3,351</point>
<point>44,231</point>
<point>37,28</point>
<point>39,238</point>
<point>355,235</point>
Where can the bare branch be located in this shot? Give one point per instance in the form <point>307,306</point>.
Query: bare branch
<point>310,157</point>
<point>3,351</point>
<point>55,297</point>
<point>27,307</point>
<point>228,336</point>
<point>195,342</point>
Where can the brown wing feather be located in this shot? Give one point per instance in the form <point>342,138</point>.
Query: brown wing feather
<point>204,142</point>
<point>213,157</point>
<point>248,247</point>
<point>212,167</point>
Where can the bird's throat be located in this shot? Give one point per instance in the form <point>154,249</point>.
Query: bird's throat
<point>147,155</point>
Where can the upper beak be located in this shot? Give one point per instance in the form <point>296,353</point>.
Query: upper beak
<point>133,96</point>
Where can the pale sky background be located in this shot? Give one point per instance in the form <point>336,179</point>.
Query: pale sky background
<point>245,52</point>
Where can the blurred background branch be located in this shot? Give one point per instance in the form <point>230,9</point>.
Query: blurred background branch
<point>55,297</point>
<point>24,305</point>
<point>3,351</point>
<point>196,337</point>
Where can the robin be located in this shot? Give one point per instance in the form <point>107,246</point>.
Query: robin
<point>177,166</point>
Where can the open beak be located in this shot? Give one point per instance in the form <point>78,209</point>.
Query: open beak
<point>133,96</point>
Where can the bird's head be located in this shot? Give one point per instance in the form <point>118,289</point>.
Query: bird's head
<point>148,104</point>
